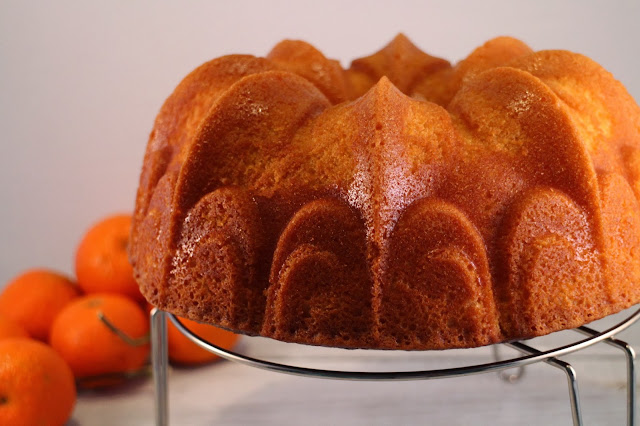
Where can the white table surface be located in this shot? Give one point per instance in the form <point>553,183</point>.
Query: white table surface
<point>225,393</point>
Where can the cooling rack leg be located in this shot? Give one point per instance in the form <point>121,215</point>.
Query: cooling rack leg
<point>572,378</point>
<point>631,371</point>
<point>631,378</point>
<point>159,360</point>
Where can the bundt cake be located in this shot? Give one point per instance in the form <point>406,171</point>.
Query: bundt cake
<point>402,203</point>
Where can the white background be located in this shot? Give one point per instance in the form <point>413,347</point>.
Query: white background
<point>81,83</point>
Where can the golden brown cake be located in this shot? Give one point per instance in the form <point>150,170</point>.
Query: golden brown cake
<point>403,203</point>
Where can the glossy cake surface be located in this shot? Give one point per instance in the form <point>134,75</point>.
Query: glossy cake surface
<point>403,203</point>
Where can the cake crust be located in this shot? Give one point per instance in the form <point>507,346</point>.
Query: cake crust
<point>403,203</point>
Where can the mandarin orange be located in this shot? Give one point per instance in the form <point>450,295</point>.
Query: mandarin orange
<point>184,351</point>
<point>34,299</point>
<point>90,346</point>
<point>36,385</point>
<point>10,329</point>
<point>102,263</point>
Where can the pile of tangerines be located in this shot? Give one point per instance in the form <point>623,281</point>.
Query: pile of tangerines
<point>57,333</point>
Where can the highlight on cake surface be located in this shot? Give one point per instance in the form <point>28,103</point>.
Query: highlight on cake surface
<point>403,203</point>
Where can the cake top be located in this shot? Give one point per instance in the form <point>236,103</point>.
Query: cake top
<point>386,86</point>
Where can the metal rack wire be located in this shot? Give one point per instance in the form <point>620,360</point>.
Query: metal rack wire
<point>530,356</point>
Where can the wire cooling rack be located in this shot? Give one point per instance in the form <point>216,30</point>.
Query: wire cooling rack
<point>530,356</point>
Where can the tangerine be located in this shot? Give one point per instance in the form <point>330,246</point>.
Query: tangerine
<point>184,351</point>
<point>36,385</point>
<point>9,329</point>
<point>102,263</point>
<point>102,334</point>
<point>34,299</point>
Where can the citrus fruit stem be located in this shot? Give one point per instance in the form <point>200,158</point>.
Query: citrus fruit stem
<point>143,340</point>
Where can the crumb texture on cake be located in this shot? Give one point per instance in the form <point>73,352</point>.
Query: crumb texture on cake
<point>402,203</point>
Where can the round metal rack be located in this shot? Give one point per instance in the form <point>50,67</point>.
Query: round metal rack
<point>530,356</point>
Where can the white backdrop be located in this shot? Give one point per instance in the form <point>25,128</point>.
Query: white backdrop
<point>81,83</point>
